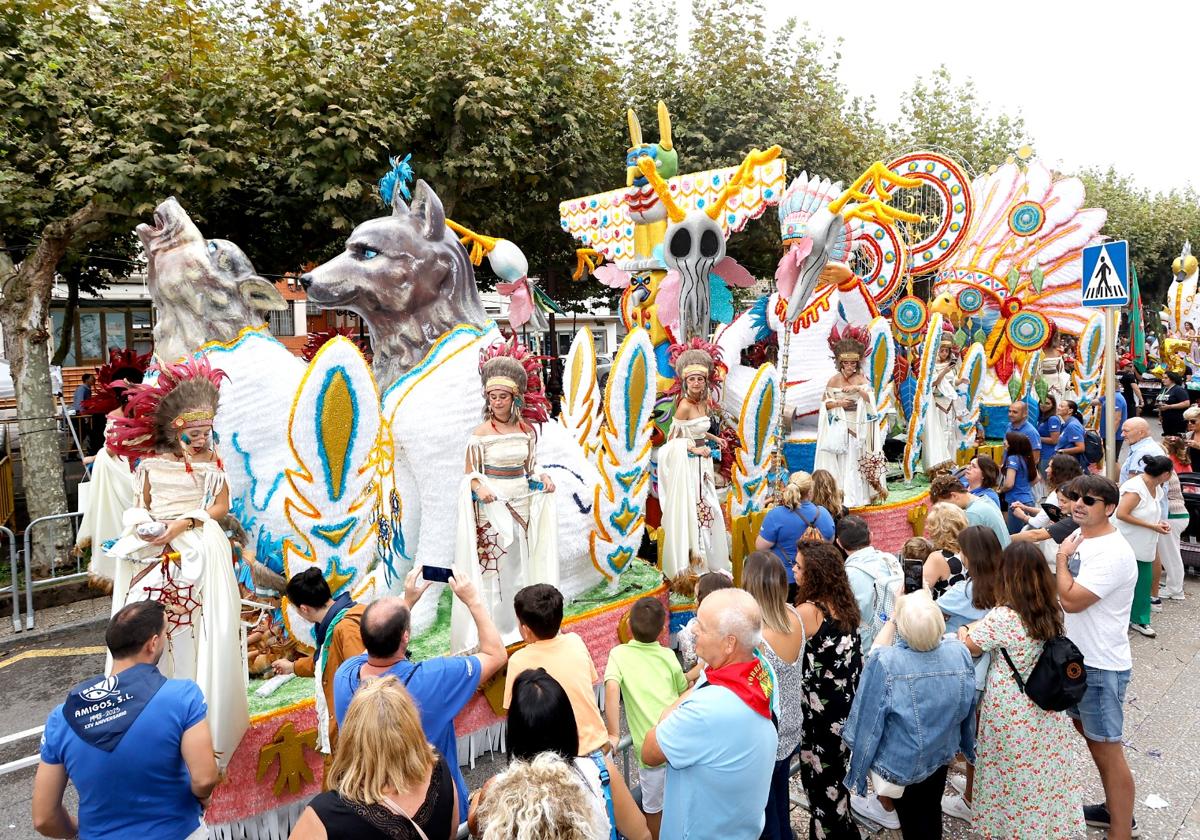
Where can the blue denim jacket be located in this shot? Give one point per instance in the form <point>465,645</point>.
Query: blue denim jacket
<point>913,711</point>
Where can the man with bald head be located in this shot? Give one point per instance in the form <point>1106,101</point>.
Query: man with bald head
<point>1018,421</point>
<point>1141,447</point>
<point>719,739</point>
<point>441,686</point>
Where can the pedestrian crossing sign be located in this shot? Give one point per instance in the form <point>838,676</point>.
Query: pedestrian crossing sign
<point>1106,274</point>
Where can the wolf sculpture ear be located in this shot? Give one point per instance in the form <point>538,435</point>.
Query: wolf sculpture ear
<point>261,296</point>
<point>428,207</point>
<point>399,207</point>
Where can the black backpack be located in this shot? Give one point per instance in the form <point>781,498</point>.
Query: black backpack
<point>1058,679</point>
<point>1093,447</point>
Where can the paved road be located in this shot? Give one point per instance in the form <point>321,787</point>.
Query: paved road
<point>1162,738</point>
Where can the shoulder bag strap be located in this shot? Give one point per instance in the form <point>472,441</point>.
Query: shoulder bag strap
<point>1016,674</point>
<point>395,808</point>
<point>606,786</point>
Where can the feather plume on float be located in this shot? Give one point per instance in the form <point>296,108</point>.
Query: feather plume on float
<point>1090,365</point>
<point>398,177</point>
<point>879,365</point>
<point>335,499</point>
<point>580,415</point>
<point>1020,266</point>
<point>923,397</point>
<point>623,456</point>
<point>974,369</point>
<point>757,429</point>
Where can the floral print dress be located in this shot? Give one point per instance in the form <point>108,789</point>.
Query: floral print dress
<point>1024,785</point>
<point>832,665</point>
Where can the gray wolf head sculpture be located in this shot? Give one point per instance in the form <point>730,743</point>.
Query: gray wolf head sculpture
<point>204,289</point>
<point>407,276</point>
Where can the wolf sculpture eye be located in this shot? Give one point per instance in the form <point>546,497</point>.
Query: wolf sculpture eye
<point>369,253</point>
<point>212,247</point>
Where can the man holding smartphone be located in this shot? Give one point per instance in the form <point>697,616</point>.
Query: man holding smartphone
<point>1096,575</point>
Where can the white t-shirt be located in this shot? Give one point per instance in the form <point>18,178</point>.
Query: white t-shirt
<point>1108,569</point>
<point>1143,541</point>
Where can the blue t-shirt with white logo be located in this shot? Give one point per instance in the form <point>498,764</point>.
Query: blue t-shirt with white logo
<point>141,789</point>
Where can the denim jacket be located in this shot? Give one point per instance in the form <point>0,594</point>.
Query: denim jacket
<point>913,711</point>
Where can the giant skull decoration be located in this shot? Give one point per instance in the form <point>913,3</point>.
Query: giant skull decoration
<point>692,248</point>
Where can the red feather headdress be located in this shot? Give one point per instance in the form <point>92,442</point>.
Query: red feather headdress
<point>531,400</point>
<point>134,434</point>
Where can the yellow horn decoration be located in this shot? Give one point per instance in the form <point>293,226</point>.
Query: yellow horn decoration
<point>480,245</point>
<point>742,178</point>
<point>646,165</point>
<point>664,127</point>
<point>635,129</point>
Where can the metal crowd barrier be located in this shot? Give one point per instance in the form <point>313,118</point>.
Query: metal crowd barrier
<point>14,583</point>
<point>54,580</point>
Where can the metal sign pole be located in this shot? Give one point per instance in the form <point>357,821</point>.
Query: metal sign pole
<point>1111,315</point>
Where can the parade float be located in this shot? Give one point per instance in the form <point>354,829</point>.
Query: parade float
<point>356,477</point>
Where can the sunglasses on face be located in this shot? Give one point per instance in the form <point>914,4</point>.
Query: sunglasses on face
<point>1087,500</point>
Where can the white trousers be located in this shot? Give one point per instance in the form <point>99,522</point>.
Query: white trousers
<point>1172,560</point>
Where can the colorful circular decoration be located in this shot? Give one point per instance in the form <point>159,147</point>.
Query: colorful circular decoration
<point>1026,218</point>
<point>970,300</point>
<point>878,260</point>
<point>949,223</point>
<point>1028,330</point>
<point>910,314</point>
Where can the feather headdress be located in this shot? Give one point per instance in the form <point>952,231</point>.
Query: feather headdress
<point>123,369</point>
<point>697,353</point>
<point>146,427</point>
<point>512,365</point>
<point>850,342</point>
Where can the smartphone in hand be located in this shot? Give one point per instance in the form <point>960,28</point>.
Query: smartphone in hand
<point>914,575</point>
<point>437,574</point>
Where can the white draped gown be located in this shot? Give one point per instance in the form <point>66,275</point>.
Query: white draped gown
<point>940,447</point>
<point>841,451</point>
<point>507,543</point>
<point>205,641</point>
<point>692,520</point>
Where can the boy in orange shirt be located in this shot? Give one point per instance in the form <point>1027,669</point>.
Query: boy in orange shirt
<point>539,611</point>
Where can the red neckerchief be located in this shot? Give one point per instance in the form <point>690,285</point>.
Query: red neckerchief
<point>750,681</point>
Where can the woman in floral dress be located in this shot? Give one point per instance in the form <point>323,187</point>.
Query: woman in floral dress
<point>1024,785</point>
<point>832,665</point>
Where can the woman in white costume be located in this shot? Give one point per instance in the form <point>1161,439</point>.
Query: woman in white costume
<point>174,550</point>
<point>848,441</point>
<point>109,488</point>
<point>692,521</point>
<point>1054,368</point>
<point>940,447</point>
<point>507,526</point>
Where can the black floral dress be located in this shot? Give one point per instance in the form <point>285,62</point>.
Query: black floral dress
<point>832,665</point>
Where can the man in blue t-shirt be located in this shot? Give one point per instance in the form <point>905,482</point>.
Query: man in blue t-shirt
<point>1122,411</point>
<point>135,744</point>
<point>1018,421</point>
<point>718,740</point>
<point>440,687</point>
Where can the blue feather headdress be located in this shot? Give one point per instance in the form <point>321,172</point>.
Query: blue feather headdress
<point>399,177</point>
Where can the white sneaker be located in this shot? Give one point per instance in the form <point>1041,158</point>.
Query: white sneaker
<point>872,809</point>
<point>1145,629</point>
<point>1179,597</point>
<point>959,783</point>
<point>957,807</point>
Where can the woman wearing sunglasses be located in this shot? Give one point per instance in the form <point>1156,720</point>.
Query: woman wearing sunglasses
<point>1140,519</point>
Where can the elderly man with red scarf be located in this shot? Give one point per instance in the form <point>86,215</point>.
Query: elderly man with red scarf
<point>718,740</point>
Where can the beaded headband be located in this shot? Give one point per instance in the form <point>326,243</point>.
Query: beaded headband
<point>194,418</point>
<point>501,382</point>
<point>691,370</point>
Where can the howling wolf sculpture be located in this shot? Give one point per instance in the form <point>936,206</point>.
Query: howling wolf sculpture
<point>411,280</point>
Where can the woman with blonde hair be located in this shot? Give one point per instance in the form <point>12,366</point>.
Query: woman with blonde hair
<point>540,799</point>
<point>944,568</point>
<point>797,518</point>
<point>827,494</point>
<point>386,781</point>
<point>783,640</point>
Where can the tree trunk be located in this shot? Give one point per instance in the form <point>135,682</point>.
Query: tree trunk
<point>25,318</point>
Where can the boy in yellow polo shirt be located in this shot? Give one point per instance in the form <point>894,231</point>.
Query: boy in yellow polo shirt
<point>649,678</point>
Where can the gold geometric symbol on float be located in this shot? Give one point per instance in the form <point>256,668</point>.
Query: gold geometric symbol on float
<point>288,746</point>
<point>337,421</point>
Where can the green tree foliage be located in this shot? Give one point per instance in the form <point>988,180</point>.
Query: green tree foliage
<point>1156,225</point>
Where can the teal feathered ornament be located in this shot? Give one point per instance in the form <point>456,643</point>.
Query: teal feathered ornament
<point>399,177</point>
